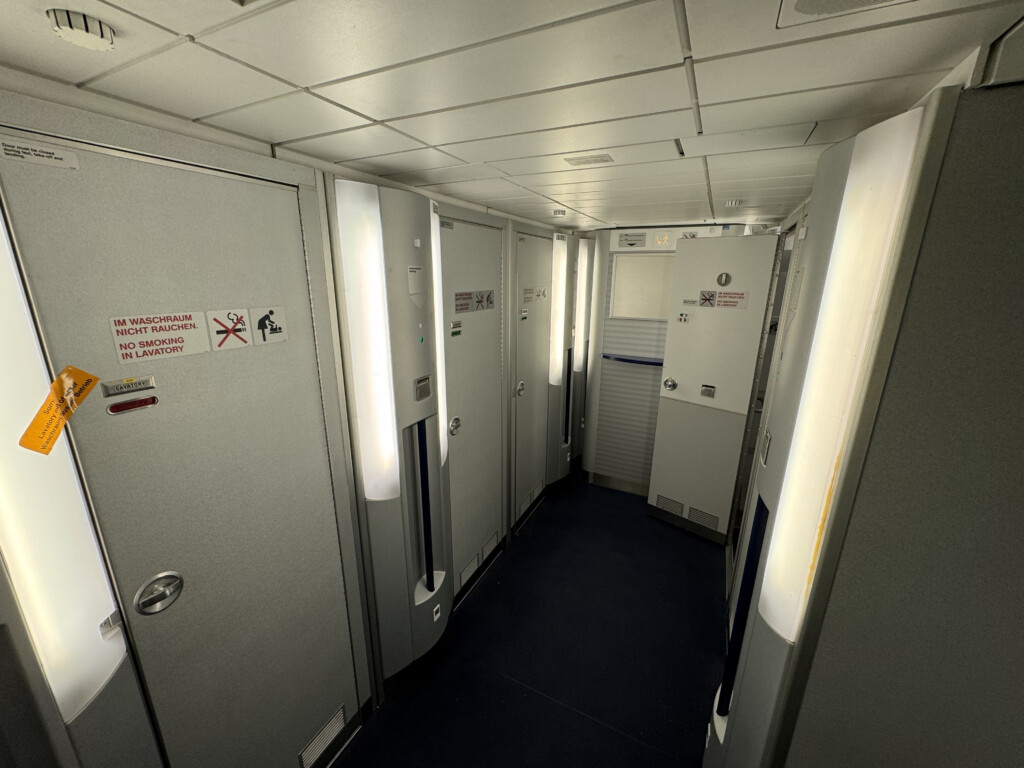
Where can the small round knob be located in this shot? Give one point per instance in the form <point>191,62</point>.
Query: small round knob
<point>454,425</point>
<point>670,384</point>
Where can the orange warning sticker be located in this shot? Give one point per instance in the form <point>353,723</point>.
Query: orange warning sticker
<point>66,394</point>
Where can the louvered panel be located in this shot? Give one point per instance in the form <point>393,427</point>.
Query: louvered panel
<point>640,338</point>
<point>627,416</point>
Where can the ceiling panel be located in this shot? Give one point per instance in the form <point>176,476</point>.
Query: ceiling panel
<point>638,153</point>
<point>742,141</point>
<point>310,42</point>
<point>766,157</point>
<point>485,189</point>
<point>675,193</point>
<point>782,186</point>
<point>188,17</point>
<point>28,42</point>
<point>925,46</point>
<point>832,131</point>
<point>682,169</point>
<point>469,172</point>
<point>292,116</point>
<point>355,144</point>
<point>190,81</point>
<point>608,100</point>
<point>413,160</point>
<point>643,37</point>
<point>725,26</point>
<point>640,182</point>
<point>610,133</point>
<point>876,97</point>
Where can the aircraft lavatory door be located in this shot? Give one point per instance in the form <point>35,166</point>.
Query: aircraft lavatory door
<point>385,283</point>
<point>203,447</point>
<point>715,321</point>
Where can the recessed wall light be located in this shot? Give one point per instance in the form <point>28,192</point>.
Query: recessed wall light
<point>81,30</point>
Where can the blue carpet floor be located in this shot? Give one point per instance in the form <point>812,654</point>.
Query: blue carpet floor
<point>596,639</point>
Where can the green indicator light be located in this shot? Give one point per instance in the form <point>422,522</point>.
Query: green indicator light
<point>421,339</point>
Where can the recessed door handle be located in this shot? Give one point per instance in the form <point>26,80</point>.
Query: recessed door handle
<point>521,388</point>
<point>670,384</point>
<point>454,425</point>
<point>159,593</point>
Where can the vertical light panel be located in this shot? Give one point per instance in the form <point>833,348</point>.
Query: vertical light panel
<point>439,360</point>
<point>46,537</point>
<point>557,343</point>
<point>582,302</point>
<point>859,276</point>
<point>366,303</point>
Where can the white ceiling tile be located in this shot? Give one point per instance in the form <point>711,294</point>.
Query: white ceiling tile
<point>287,117</point>
<point>486,189</point>
<point>413,160</point>
<point>642,36</point>
<point>719,27</point>
<point>613,185</point>
<point>778,175</point>
<point>682,169</point>
<point>674,194</point>
<point>782,186</point>
<point>470,172</point>
<point>766,157</point>
<point>608,100</point>
<point>355,144</point>
<point>187,17</point>
<point>28,42</point>
<point>742,141</point>
<point>580,138</point>
<point>190,81</point>
<point>881,96</point>
<point>924,46</point>
<point>310,42</point>
<point>832,131</point>
<point>638,153</point>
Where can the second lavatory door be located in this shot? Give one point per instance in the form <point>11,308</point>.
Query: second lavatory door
<point>530,385</point>
<point>471,316</point>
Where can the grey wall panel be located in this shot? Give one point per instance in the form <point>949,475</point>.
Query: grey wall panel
<point>114,730</point>
<point>918,662</point>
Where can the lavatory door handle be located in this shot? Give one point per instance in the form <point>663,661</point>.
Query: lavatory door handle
<point>670,384</point>
<point>521,388</point>
<point>159,593</point>
<point>454,425</point>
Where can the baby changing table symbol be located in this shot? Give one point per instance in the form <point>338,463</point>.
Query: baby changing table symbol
<point>270,325</point>
<point>267,325</point>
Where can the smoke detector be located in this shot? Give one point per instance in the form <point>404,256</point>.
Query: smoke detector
<point>589,160</point>
<point>81,30</point>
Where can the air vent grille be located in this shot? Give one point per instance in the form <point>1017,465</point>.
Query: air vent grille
<point>703,518</point>
<point>316,754</point>
<point>589,160</point>
<point>670,505</point>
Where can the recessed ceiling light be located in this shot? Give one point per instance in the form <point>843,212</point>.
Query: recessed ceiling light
<point>81,30</point>
<point>589,159</point>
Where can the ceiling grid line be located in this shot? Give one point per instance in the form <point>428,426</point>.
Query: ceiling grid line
<point>182,40</point>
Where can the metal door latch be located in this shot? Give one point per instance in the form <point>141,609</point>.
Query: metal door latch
<point>670,384</point>
<point>521,388</point>
<point>159,593</point>
<point>454,425</point>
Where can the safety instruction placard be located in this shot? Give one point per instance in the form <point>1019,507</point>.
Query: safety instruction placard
<point>71,387</point>
<point>721,299</point>
<point>166,334</point>
<point>13,148</point>
<point>229,328</point>
<point>531,295</point>
<point>473,301</point>
<point>269,325</point>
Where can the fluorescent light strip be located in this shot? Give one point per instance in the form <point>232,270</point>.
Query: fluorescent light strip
<point>366,302</point>
<point>557,343</point>
<point>582,300</point>
<point>46,537</point>
<point>859,275</point>
<point>439,359</point>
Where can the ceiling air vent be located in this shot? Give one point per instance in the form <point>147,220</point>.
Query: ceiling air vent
<point>558,212</point>
<point>589,160</point>
<point>793,12</point>
<point>734,203</point>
